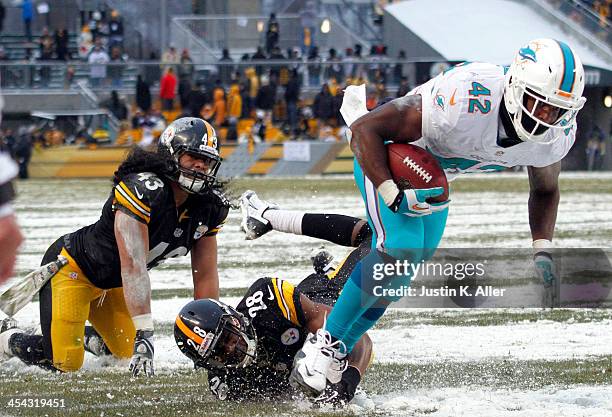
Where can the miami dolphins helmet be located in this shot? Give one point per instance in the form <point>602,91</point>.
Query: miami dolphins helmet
<point>546,77</point>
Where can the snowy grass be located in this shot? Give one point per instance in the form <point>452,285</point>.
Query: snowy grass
<point>428,362</point>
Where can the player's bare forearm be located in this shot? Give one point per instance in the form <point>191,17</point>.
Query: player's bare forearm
<point>204,268</point>
<point>10,239</point>
<point>398,120</point>
<point>361,354</point>
<point>133,242</point>
<point>543,200</point>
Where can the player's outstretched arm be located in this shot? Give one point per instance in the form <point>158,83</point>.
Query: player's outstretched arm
<point>204,268</point>
<point>543,205</point>
<point>133,243</point>
<point>543,200</point>
<point>398,120</point>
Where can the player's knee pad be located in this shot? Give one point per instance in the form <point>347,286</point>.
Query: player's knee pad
<point>69,359</point>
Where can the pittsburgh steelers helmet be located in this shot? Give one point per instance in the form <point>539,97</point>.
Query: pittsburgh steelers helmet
<point>215,335</point>
<point>196,137</point>
<point>547,72</point>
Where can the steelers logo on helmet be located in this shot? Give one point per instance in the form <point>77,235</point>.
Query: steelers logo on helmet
<point>543,90</point>
<point>196,138</point>
<point>215,335</point>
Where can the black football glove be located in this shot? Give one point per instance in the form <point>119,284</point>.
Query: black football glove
<point>142,358</point>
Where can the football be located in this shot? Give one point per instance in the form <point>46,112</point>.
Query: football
<point>414,167</point>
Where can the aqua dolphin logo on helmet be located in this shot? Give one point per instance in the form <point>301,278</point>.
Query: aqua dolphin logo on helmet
<point>543,90</point>
<point>528,53</point>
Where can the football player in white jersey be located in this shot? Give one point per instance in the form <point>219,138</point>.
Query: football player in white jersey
<point>10,235</point>
<point>473,117</point>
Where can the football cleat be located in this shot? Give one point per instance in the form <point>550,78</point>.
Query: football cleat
<point>8,327</point>
<point>319,360</point>
<point>94,343</point>
<point>253,223</point>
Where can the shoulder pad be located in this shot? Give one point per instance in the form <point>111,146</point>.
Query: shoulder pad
<point>139,193</point>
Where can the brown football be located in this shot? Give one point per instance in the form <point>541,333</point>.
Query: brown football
<point>414,167</point>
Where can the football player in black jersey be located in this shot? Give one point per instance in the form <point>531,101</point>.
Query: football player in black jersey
<point>249,351</point>
<point>163,204</point>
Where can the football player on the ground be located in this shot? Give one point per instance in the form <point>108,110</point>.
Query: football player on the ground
<point>249,351</point>
<point>163,204</point>
<point>10,235</point>
<point>475,117</point>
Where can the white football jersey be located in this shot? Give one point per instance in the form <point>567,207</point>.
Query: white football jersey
<point>461,123</point>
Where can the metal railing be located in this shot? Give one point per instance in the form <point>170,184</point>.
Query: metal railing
<point>246,32</point>
<point>54,75</point>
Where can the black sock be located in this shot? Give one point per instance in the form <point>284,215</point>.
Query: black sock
<point>334,228</point>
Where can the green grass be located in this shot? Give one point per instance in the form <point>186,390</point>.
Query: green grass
<point>185,392</point>
<point>482,317</point>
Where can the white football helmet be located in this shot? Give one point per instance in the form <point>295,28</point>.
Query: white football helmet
<point>549,73</point>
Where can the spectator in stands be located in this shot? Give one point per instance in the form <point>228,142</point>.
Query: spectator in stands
<point>27,13</point>
<point>292,98</point>
<point>98,58</point>
<point>259,55</point>
<point>23,151</point>
<point>308,19</point>
<point>170,58</point>
<point>116,106</point>
<point>61,44</point>
<point>143,94</point>
<point>234,104</point>
<point>275,69</point>
<point>167,89</point>
<point>272,33</point>
<point>115,30</point>
<point>596,148</point>
<point>85,42</point>
<point>2,15</point>
<point>185,67</point>
<point>102,32</point>
<point>45,46</point>
<point>115,71</point>
<point>219,105</point>
<point>323,106</point>
<point>226,69</point>
<point>266,97</point>
<point>334,68</point>
<point>314,67</point>
<point>196,100</point>
<point>185,76</point>
<point>404,87</point>
<point>252,89</point>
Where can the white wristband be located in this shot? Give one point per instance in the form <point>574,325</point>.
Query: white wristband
<point>388,191</point>
<point>143,322</point>
<point>542,244</point>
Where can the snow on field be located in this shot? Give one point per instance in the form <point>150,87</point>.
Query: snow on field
<point>477,219</point>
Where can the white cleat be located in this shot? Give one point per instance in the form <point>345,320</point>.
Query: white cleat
<point>8,327</point>
<point>253,223</point>
<point>319,361</point>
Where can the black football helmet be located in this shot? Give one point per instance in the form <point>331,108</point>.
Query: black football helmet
<point>197,138</point>
<point>215,335</point>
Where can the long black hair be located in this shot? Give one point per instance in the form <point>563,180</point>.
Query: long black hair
<point>158,161</point>
<point>142,160</point>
